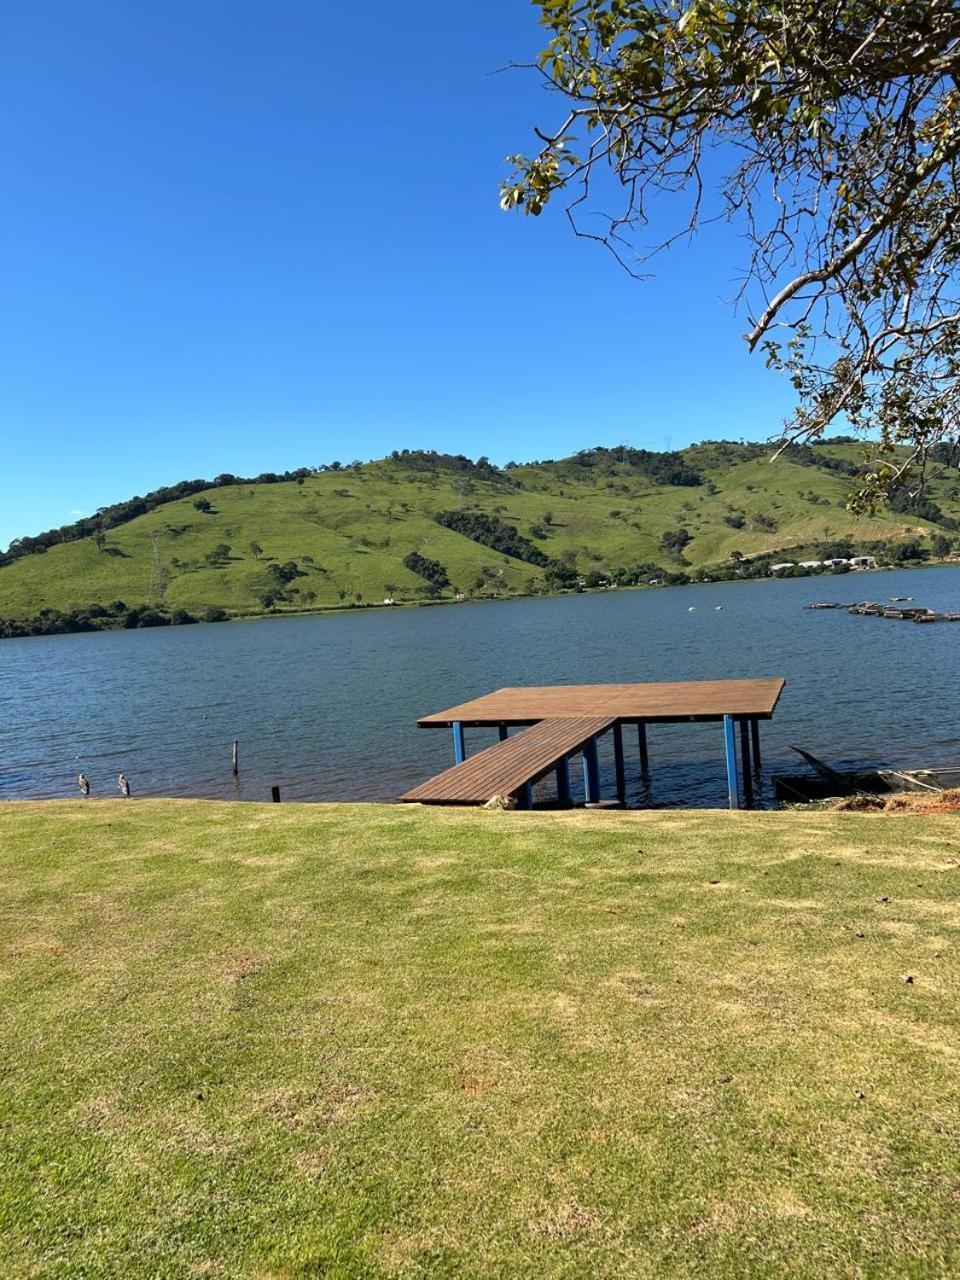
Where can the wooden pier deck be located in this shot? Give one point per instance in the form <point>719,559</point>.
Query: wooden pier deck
<point>568,720</point>
<point>507,766</point>
<point>663,702</point>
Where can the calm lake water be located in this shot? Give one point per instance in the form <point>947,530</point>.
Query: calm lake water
<point>326,706</point>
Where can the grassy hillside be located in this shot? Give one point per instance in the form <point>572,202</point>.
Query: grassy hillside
<point>361,1041</point>
<point>348,532</point>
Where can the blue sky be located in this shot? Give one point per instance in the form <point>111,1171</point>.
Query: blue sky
<point>248,236</point>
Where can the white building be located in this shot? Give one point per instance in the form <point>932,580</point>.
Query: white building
<point>787,564</point>
<point>811,564</point>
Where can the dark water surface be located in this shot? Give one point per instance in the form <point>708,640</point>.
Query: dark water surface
<point>326,706</point>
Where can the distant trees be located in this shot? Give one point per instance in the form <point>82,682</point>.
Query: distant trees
<point>98,617</point>
<point>430,570</point>
<point>285,573</point>
<point>203,504</point>
<point>491,531</point>
<point>219,557</point>
<point>674,540</point>
<point>256,550</point>
<point>942,546</point>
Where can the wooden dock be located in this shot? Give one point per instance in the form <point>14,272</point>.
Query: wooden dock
<point>508,766</point>
<point>568,720</point>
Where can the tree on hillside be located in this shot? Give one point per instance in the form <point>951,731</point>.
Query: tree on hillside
<point>830,133</point>
<point>942,545</point>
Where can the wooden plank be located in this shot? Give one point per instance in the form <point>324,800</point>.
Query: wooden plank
<point>662,701</point>
<point>506,766</point>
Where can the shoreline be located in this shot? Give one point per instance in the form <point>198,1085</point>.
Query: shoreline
<point>327,610</point>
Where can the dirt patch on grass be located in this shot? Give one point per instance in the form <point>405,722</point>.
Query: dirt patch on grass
<point>568,1220</point>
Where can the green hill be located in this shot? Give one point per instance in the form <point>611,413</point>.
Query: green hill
<point>359,534</point>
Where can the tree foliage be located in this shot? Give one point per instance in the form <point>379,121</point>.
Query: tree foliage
<point>830,131</point>
<point>492,532</point>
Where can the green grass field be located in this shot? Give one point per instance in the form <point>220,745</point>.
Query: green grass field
<point>290,1041</point>
<point>349,532</point>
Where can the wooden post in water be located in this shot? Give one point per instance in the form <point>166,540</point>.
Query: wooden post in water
<point>275,794</point>
<point>236,757</point>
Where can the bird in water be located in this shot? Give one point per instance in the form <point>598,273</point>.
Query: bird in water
<point>717,608</point>
<point>123,786</point>
<point>692,609</point>
<point>83,784</point>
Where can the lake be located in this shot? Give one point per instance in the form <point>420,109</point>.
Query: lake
<point>325,706</point>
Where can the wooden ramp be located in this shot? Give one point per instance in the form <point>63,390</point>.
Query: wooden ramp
<point>501,770</point>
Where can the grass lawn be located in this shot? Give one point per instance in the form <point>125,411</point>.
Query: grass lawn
<point>303,1041</point>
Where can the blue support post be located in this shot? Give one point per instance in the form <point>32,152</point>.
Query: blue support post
<point>618,762</point>
<point>730,745</point>
<point>459,750</point>
<point>563,780</point>
<point>591,771</point>
<point>504,734</point>
<point>525,796</point>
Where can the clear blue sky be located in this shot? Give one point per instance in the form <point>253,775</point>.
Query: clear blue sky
<point>251,236</point>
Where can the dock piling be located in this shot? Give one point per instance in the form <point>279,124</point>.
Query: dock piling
<point>642,743</point>
<point>618,762</point>
<point>591,771</point>
<point>459,749</point>
<point>730,745</point>
<point>755,735</point>
<point>563,780</point>
<point>745,764</point>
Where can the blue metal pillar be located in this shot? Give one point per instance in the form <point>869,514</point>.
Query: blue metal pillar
<point>618,762</point>
<point>642,739</point>
<point>563,780</point>
<point>503,733</point>
<point>525,796</point>
<point>591,771</point>
<point>459,750</point>
<point>730,745</point>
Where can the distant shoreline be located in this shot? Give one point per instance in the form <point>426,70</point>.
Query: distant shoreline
<point>165,620</point>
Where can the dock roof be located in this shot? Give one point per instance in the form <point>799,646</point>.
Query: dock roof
<point>662,701</point>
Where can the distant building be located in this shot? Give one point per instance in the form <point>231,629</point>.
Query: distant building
<point>389,600</point>
<point>811,564</point>
<point>830,564</point>
<point>863,562</point>
<point>787,564</point>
